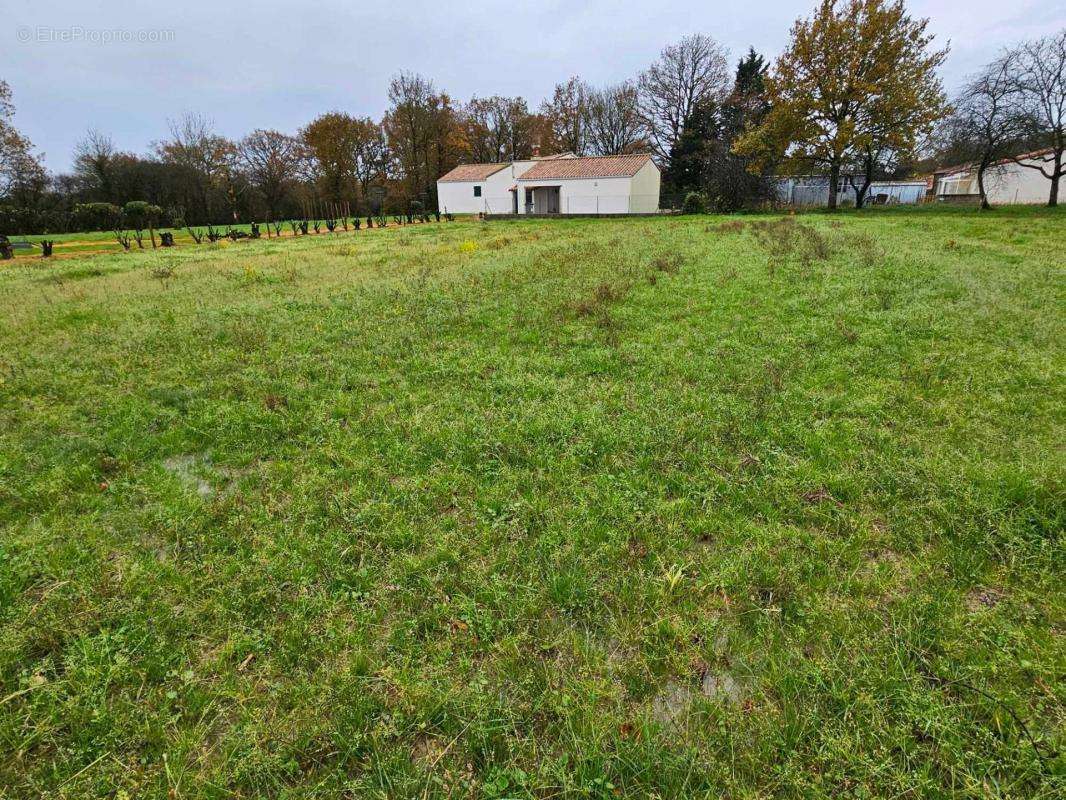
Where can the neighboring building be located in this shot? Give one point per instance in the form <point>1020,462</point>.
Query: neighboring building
<point>933,181</point>
<point>562,184</point>
<point>813,190</point>
<point>1006,182</point>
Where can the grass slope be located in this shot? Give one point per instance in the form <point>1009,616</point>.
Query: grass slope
<point>594,508</point>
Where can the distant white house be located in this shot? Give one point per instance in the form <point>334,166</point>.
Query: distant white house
<point>561,184</point>
<point>1007,182</point>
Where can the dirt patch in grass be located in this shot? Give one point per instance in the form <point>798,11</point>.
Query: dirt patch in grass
<point>198,473</point>
<point>675,701</point>
<point>427,750</point>
<point>983,597</point>
<point>672,703</point>
<point>188,469</point>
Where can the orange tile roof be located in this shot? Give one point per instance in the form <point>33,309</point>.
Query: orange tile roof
<point>471,172</point>
<point>1035,154</point>
<point>586,167</point>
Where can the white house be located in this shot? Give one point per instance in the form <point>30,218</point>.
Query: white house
<point>466,189</point>
<point>563,184</point>
<point>1007,182</point>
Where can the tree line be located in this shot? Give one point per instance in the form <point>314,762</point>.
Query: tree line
<point>1014,107</point>
<point>196,174</point>
<point>855,96</point>
<point>856,93</point>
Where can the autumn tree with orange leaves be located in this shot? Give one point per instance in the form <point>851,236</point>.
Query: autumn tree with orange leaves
<point>858,80</point>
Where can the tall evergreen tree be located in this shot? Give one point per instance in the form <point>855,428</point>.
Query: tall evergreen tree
<point>729,182</point>
<point>685,169</point>
<point>746,104</point>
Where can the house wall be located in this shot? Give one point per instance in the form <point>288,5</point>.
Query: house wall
<point>957,184</point>
<point>646,185</point>
<point>594,195</point>
<point>602,195</point>
<point>1011,184</point>
<point>497,196</point>
<point>458,196</point>
<point>520,167</point>
<point>1006,184</point>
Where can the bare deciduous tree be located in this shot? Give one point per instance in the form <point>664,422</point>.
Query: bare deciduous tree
<point>372,156</point>
<point>522,128</point>
<point>987,117</point>
<point>496,129</point>
<point>687,74</point>
<point>484,122</point>
<point>94,161</point>
<point>206,158</point>
<point>421,128</point>
<point>272,162</point>
<point>345,150</point>
<point>614,122</point>
<point>566,116</point>
<point>1041,84</point>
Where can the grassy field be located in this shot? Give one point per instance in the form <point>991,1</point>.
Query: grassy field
<point>95,243</point>
<point>679,507</point>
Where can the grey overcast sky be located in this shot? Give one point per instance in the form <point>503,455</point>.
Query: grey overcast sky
<point>277,64</point>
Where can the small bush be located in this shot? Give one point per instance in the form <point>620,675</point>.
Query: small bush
<point>164,273</point>
<point>695,203</point>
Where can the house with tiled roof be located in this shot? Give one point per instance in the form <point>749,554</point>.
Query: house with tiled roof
<point>559,184</point>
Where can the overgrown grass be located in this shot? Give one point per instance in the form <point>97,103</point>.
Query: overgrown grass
<point>95,243</point>
<point>674,507</point>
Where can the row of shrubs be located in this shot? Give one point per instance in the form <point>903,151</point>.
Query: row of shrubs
<point>131,223</point>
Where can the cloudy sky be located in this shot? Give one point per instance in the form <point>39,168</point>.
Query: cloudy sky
<point>75,64</point>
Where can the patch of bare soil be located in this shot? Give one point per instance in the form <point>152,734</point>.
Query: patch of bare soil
<point>980,598</point>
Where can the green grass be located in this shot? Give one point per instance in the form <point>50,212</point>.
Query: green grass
<point>104,242</point>
<point>667,507</point>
